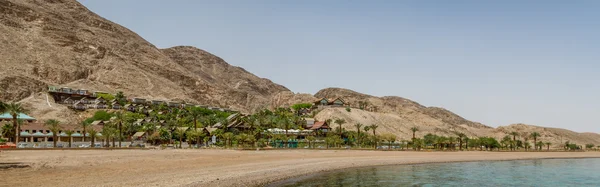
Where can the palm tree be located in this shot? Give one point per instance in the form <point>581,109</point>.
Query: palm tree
<point>119,120</point>
<point>340,122</point>
<point>228,136</point>
<point>358,126</point>
<point>85,125</point>
<point>108,132</point>
<point>195,113</point>
<point>414,130</point>
<point>54,126</point>
<point>310,139</point>
<point>514,135</point>
<point>70,133</point>
<point>525,140</point>
<point>14,109</point>
<point>374,128</point>
<point>180,132</point>
<point>93,133</point>
<point>461,136</point>
<point>7,131</point>
<point>535,135</point>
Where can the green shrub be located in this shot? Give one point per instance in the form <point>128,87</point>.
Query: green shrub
<point>348,109</point>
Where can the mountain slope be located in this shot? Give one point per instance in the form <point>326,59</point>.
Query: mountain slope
<point>60,42</point>
<point>400,106</point>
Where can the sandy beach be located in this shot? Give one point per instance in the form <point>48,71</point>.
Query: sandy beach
<point>215,167</point>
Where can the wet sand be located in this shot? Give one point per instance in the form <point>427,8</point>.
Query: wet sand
<point>215,167</point>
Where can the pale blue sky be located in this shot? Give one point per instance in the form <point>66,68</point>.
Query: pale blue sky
<point>498,63</point>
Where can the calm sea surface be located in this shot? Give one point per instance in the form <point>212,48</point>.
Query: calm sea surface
<point>545,172</point>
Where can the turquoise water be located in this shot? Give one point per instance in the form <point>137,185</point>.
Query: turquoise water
<point>544,172</point>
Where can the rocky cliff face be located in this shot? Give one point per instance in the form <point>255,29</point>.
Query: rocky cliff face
<point>60,42</point>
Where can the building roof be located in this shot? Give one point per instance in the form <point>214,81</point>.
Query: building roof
<point>40,126</point>
<point>319,125</point>
<point>20,116</point>
<point>139,134</point>
<point>210,130</point>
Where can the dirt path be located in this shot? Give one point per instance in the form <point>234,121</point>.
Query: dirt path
<point>213,167</point>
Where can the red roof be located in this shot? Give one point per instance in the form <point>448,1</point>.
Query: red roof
<point>319,125</point>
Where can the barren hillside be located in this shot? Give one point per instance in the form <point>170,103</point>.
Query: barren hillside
<point>398,124</point>
<point>399,106</point>
<point>60,42</point>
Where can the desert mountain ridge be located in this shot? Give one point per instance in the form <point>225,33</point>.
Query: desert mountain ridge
<point>61,42</point>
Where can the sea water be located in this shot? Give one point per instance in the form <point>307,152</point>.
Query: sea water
<point>541,172</point>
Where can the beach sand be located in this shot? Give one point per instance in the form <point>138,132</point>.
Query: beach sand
<point>215,167</point>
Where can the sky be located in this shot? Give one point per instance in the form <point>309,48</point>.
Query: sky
<point>494,62</point>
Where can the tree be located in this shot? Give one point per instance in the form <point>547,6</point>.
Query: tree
<point>195,113</point>
<point>119,120</point>
<point>340,122</point>
<point>120,97</point>
<point>8,131</point>
<point>358,126</point>
<point>461,136</point>
<point>310,139</point>
<point>180,131</point>
<point>525,140</point>
<point>589,146</point>
<point>228,136</point>
<point>390,138</point>
<point>548,146</point>
<point>108,131</point>
<point>374,128</point>
<point>514,134</point>
<point>54,127</point>
<point>300,106</point>
<point>414,130</point>
<point>14,109</point>
<point>93,133</point>
<point>535,135</point>
<point>85,125</point>
<point>2,107</point>
<point>69,134</point>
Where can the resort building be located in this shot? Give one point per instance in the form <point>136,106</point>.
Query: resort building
<point>83,99</point>
<point>318,127</point>
<point>138,101</point>
<point>338,102</point>
<point>38,132</point>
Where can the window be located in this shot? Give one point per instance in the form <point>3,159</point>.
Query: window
<point>78,131</point>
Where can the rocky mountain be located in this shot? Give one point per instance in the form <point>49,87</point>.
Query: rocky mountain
<point>400,106</point>
<point>397,115</point>
<point>61,42</point>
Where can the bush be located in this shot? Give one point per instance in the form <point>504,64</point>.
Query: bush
<point>301,106</point>
<point>106,96</point>
<point>348,109</point>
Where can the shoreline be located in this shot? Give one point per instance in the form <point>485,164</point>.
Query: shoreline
<point>290,179</point>
<point>221,167</point>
